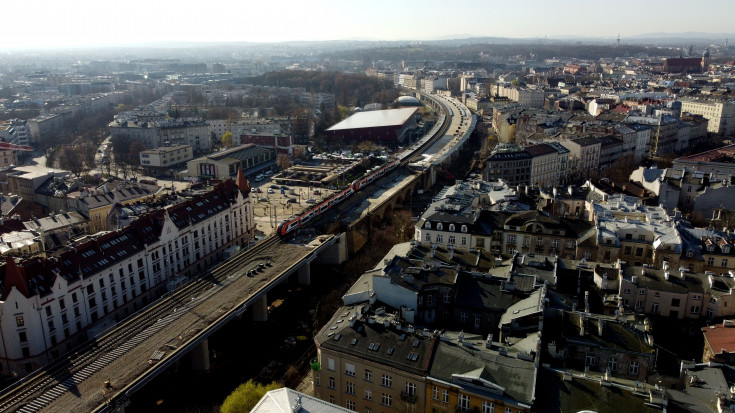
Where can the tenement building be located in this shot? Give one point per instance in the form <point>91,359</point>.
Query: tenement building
<point>48,304</point>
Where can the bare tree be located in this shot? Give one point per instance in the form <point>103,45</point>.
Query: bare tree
<point>70,159</point>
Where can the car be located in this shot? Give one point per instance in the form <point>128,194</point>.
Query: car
<point>268,173</point>
<point>284,187</point>
<point>275,187</point>
<point>311,201</point>
<point>258,190</point>
<point>292,200</point>
<point>271,191</point>
<point>317,192</point>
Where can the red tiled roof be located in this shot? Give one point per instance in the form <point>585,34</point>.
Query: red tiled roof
<point>719,337</point>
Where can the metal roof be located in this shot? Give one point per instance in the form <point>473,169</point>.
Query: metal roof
<point>375,118</point>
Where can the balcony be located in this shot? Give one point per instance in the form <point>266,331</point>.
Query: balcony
<point>407,397</point>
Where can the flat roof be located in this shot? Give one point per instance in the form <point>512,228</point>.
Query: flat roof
<point>376,118</point>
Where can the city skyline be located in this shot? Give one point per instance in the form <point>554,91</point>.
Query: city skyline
<point>88,23</point>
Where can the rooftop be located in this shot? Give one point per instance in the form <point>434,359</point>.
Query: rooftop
<point>375,118</point>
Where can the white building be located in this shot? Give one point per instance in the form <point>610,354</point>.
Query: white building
<point>719,113</point>
<point>166,156</point>
<point>47,304</point>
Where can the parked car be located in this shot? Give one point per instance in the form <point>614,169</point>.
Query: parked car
<point>311,201</point>
<point>271,191</point>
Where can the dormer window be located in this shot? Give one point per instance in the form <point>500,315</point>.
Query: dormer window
<point>690,254</point>
<point>710,248</point>
<point>726,249</point>
<point>464,228</point>
<point>440,227</point>
<point>427,225</point>
<point>451,227</point>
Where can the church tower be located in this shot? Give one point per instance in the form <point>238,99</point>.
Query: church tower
<point>705,60</point>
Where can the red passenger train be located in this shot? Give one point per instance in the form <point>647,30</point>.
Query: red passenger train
<point>290,225</point>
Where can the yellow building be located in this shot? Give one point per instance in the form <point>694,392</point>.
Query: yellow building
<point>470,375</point>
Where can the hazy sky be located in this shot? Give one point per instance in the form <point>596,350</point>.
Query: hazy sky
<point>54,23</point>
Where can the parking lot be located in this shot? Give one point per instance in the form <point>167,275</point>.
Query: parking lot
<point>272,204</point>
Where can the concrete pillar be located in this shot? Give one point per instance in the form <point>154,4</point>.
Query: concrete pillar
<point>260,308</point>
<point>200,356</point>
<point>305,274</point>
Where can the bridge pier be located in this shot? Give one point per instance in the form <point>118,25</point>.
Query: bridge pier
<point>305,274</point>
<point>200,356</point>
<point>260,308</point>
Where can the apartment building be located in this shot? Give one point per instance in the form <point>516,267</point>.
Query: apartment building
<point>585,153</point>
<point>719,112</point>
<point>544,165</point>
<point>48,304</point>
<point>166,156</point>
<point>513,167</point>
<point>369,361</point>
<point>676,293</point>
<point>539,232</point>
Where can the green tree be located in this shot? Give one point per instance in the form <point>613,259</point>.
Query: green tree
<point>227,139</point>
<point>246,396</point>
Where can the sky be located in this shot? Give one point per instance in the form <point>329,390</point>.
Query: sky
<point>73,23</point>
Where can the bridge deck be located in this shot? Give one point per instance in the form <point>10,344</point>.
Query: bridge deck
<point>192,316</point>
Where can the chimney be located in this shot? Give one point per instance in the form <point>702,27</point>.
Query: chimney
<point>489,341</point>
<point>451,252</point>
<point>600,326</point>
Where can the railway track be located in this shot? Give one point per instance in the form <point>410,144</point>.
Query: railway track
<point>36,391</point>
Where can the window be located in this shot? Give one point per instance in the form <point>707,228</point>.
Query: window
<point>317,380</point>
<point>641,238</point>
<point>633,367</point>
<point>477,321</point>
<point>724,262</point>
<point>639,252</point>
<point>654,308</point>
<point>451,227</point>
<point>368,375</point>
<point>387,399</point>
<point>555,243</point>
<point>22,337</point>
<point>512,239</point>
<point>446,298</point>
<point>464,228</point>
<point>464,402</point>
<point>387,380</point>
<point>368,410</point>
<point>350,404</point>
<point>330,364</point>
<point>675,302</point>
<point>350,369</point>
<point>435,393</point>
<point>628,250</point>
<point>590,359</point>
<point>508,410</point>
<point>539,241</point>
<point>697,298</point>
<point>440,238</point>
<point>626,290</point>
<point>19,321</point>
<point>641,292</point>
<point>445,396</point>
<point>612,364</point>
<point>463,317</point>
<point>331,382</point>
<point>695,309</point>
<point>350,387</point>
<point>452,240</point>
<point>488,407</point>
<point>428,237</point>
<point>410,389</point>
<point>440,227</point>
<point>711,261</point>
<point>368,394</point>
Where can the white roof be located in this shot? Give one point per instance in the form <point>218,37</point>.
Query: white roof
<point>286,400</point>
